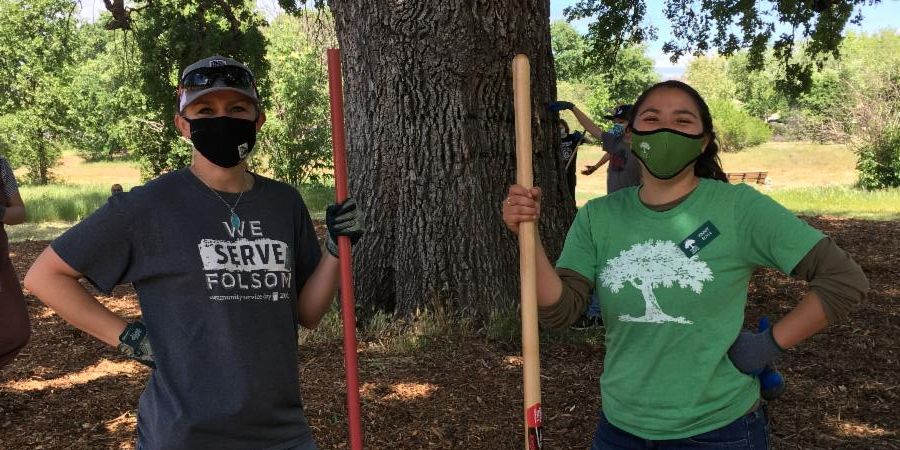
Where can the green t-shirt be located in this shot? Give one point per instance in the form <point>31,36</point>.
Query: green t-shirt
<point>673,287</point>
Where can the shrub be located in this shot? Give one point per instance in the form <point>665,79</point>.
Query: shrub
<point>879,160</point>
<point>735,128</point>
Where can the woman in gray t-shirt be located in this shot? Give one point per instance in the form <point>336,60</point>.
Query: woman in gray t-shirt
<point>226,266</point>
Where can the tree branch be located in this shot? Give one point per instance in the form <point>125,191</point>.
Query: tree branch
<point>121,16</point>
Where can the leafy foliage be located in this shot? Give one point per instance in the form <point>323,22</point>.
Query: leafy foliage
<point>103,94</point>
<point>710,77</point>
<point>856,99</point>
<point>598,87</point>
<point>756,89</point>
<point>728,98</point>
<point>296,139</point>
<point>879,160</point>
<point>36,39</point>
<point>570,54</point>
<point>170,35</point>
<point>728,26</point>
<point>853,99</point>
<point>875,123</point>
<point>735,128</point>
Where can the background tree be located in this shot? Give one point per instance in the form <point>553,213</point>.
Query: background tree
<point>710,76</point>
<point>630,75</point>
<point>36,43</point>
<point>295,143</point>
<point>726,26</point>
<point>104,93</point>
<point>170,34</point>
<point>869,83</point>
<point>730,89</point>
<point>756,89</point>
<point>593,86</point>
<point>570,54</point>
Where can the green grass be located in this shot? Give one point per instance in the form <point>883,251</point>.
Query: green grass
<point>840,201</point>
<point>317,198</point>
<point>71,203</point>
<point>54,208</point>
<point>393,335</point>
<point>62,203</point>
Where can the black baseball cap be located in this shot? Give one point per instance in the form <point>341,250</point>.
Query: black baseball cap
<point>213,74</point>
<point>619,112</point>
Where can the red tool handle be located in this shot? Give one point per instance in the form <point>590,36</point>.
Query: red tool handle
<point>348,304</point>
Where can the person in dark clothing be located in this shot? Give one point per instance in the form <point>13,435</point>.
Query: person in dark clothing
<point>15,329</point>
<point>226,266</point>
<point>568,152</point>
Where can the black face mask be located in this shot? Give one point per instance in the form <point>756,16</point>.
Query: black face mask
<point>224,141</point>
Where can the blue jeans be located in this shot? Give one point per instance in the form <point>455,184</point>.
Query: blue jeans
<point>310,445</point>
<point>750,432</point>
<point>593,309</point>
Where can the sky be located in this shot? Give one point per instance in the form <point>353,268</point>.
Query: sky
<point>884,15</point>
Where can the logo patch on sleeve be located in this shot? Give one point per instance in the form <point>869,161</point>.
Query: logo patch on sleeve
<point>700,238</point>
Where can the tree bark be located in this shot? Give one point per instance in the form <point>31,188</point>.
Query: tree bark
<point>43,164</point>
<point>431,147</point>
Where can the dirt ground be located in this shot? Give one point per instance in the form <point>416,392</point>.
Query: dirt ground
<point>68,391</point>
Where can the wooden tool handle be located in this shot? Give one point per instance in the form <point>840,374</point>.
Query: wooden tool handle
<point>527,271</point>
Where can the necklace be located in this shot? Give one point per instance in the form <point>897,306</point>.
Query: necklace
<point>235,220</point>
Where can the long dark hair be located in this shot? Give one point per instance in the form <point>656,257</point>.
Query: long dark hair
<point>708,165</point>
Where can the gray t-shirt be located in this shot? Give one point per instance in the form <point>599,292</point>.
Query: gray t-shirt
<point>624,168</point>
<point>219,303</point>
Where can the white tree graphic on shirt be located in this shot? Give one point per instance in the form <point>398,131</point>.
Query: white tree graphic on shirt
<point>650,265</point>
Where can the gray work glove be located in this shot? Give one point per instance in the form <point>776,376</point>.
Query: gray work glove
<point>752,352</point>
<point>345,219</point>
<point>133,343</point>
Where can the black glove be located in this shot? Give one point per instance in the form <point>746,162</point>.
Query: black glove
<point>133,343</point>
<point>345,219</point>
<point>559,106</point>
<point>752,352</point>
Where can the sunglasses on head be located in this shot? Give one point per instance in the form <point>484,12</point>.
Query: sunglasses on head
<point>206,77</point>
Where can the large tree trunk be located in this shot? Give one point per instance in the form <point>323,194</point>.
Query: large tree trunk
<point>431,147</point>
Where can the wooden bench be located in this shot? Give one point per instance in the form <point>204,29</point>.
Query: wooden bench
<point>747,177</point>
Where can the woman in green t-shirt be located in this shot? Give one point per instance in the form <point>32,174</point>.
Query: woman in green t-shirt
<point>671,260</point>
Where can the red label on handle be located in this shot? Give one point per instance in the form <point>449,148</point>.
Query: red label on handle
<point>534,420</point>
<point>533,416</point>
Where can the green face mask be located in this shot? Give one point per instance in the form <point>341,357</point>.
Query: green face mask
<point>666,152</point>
